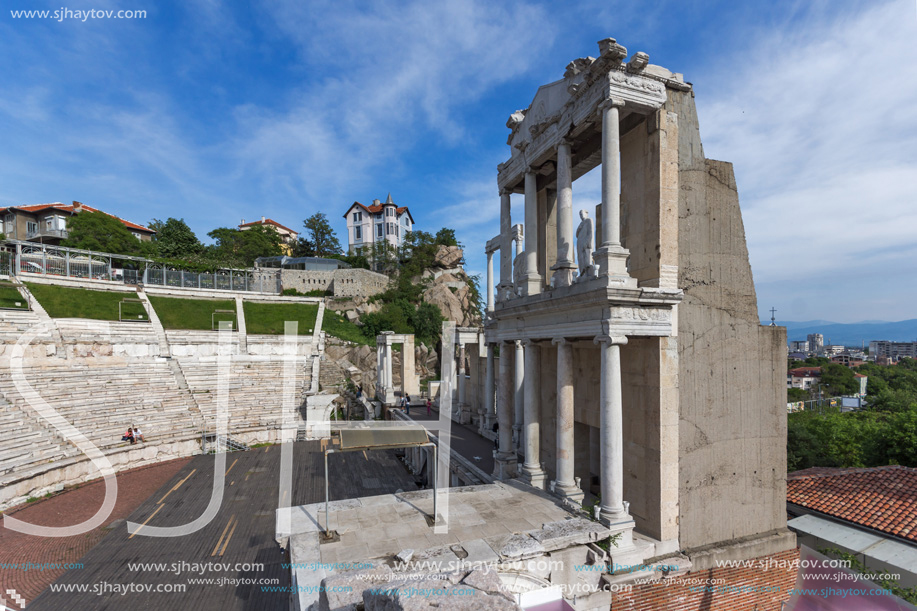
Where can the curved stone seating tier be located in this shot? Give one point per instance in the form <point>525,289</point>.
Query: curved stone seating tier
<point>103,396</point>
<point>14,323</point>
<point>255,390</point>
<point>87,338</point>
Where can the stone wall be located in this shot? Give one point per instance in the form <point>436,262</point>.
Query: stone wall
<point>732,421</point>
<point>343,282</point>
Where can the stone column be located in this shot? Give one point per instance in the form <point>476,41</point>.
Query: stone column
<point>408,375</point>
<point>532,283</point>
<point>611,257</point>
<point>380,377</point>
<point>463,408</point>
<point>563,269</point>
<point>611,431</point>
<point>505,288</point>
<point>505,463</point>
<point>565,484</point>
<point>531,468</point>
<point>490,281</point>
<point>489,411</point>
<point>518,395</point>
<point>389,385</point>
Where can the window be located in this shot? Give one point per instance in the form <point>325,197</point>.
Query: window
<point>31,228</point>
<point>49,222</point>
<point>357,233</point>
<point>357,217</point>
<point>9,222</point>
<point>379,230</point>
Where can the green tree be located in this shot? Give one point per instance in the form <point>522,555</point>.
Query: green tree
<point>101,232</point>
<point>235,247</point>
<point>446,237</point>
<point>321,235</point>
<point>796,394</point>
<point>839,380</point>
<point>174,239</point>
<point>303,248</point>
<point>427,321</point>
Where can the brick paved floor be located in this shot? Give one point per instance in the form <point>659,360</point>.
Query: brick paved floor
<point>71,507</point>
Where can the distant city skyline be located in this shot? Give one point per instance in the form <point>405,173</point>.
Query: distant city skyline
<point>283,109</point>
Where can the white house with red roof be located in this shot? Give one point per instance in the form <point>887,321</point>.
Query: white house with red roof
<point>288,237</point>
<point>380,222</point>
<point>47,223</point>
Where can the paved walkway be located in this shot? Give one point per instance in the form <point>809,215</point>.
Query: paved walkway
<point>71,507</point>
<point>235,553</point>
<point>465,439</point>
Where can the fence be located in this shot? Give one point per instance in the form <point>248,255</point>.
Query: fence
<point>46,260</point>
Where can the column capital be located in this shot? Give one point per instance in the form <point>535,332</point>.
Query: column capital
<point>614,340</point>
<point>560,341</point>
<point>565,141</point>
<point>518,342</point>
<point>505,191</point>
<point>530,342</point>
<point>611,102</point>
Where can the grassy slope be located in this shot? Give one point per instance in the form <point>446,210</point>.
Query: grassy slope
<point>66,302</point>
<point>338,326</point>
<point>9,296</point>
<point>195,314</point>
<point>269,318</point>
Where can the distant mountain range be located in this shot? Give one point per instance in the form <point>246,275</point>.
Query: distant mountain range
<point>851,334</point>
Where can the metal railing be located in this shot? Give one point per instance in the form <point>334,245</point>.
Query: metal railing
<point>17,257</point>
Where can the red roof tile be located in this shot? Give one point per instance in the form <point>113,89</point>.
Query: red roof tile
<point>266,222</point>
<point>71,207</point>
<point>800,372</point>
<point>881,498</point>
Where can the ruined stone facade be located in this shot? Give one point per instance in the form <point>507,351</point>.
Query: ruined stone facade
<point>343,282</point>
<point>646,377</point>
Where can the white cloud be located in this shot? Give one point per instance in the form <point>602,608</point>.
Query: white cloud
<point>819,122</point>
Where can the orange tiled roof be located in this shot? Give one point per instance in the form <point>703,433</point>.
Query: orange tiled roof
<point>801,372</point>
<point>880,498</point>
<point>70,208</point>
<point>266,222</point>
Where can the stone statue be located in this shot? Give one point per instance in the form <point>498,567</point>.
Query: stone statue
<point>585,244</point>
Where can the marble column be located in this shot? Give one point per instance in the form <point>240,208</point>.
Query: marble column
<point>489,411</point>
<point>611,256</point>
<point>518,395</point>
<point>563,269</point>
<point>505,289</point>
<point>389,380</point>
<point>463,407</point>
<point>611,425</point>
<point>565,484</point>
<point>505,463</point>
<point>532,282</point>
<point>531,468</point>
<point>380,376</point>
<point>490,281</point>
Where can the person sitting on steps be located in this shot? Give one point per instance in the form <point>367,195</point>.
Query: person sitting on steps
<point>128,436</point>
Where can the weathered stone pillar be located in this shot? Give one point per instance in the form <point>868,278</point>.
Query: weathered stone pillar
<point>532,283</point>
<point>518,395</point>
<point>463,407</point>
<point>408,377</point>
<point>565,484</point>
<point>611,257</point>
<point>505,288</point>
<point>563,269</point>
<point>490,281</point>
<point>388,368</point>
<point>489,374</point>
<point>611,430</point>
<point>505,463</point>
<point>531,468</point>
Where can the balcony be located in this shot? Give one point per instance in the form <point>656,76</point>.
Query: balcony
<point>42,234</point>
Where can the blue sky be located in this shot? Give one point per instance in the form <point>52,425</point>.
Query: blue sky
<point>216,112</point>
